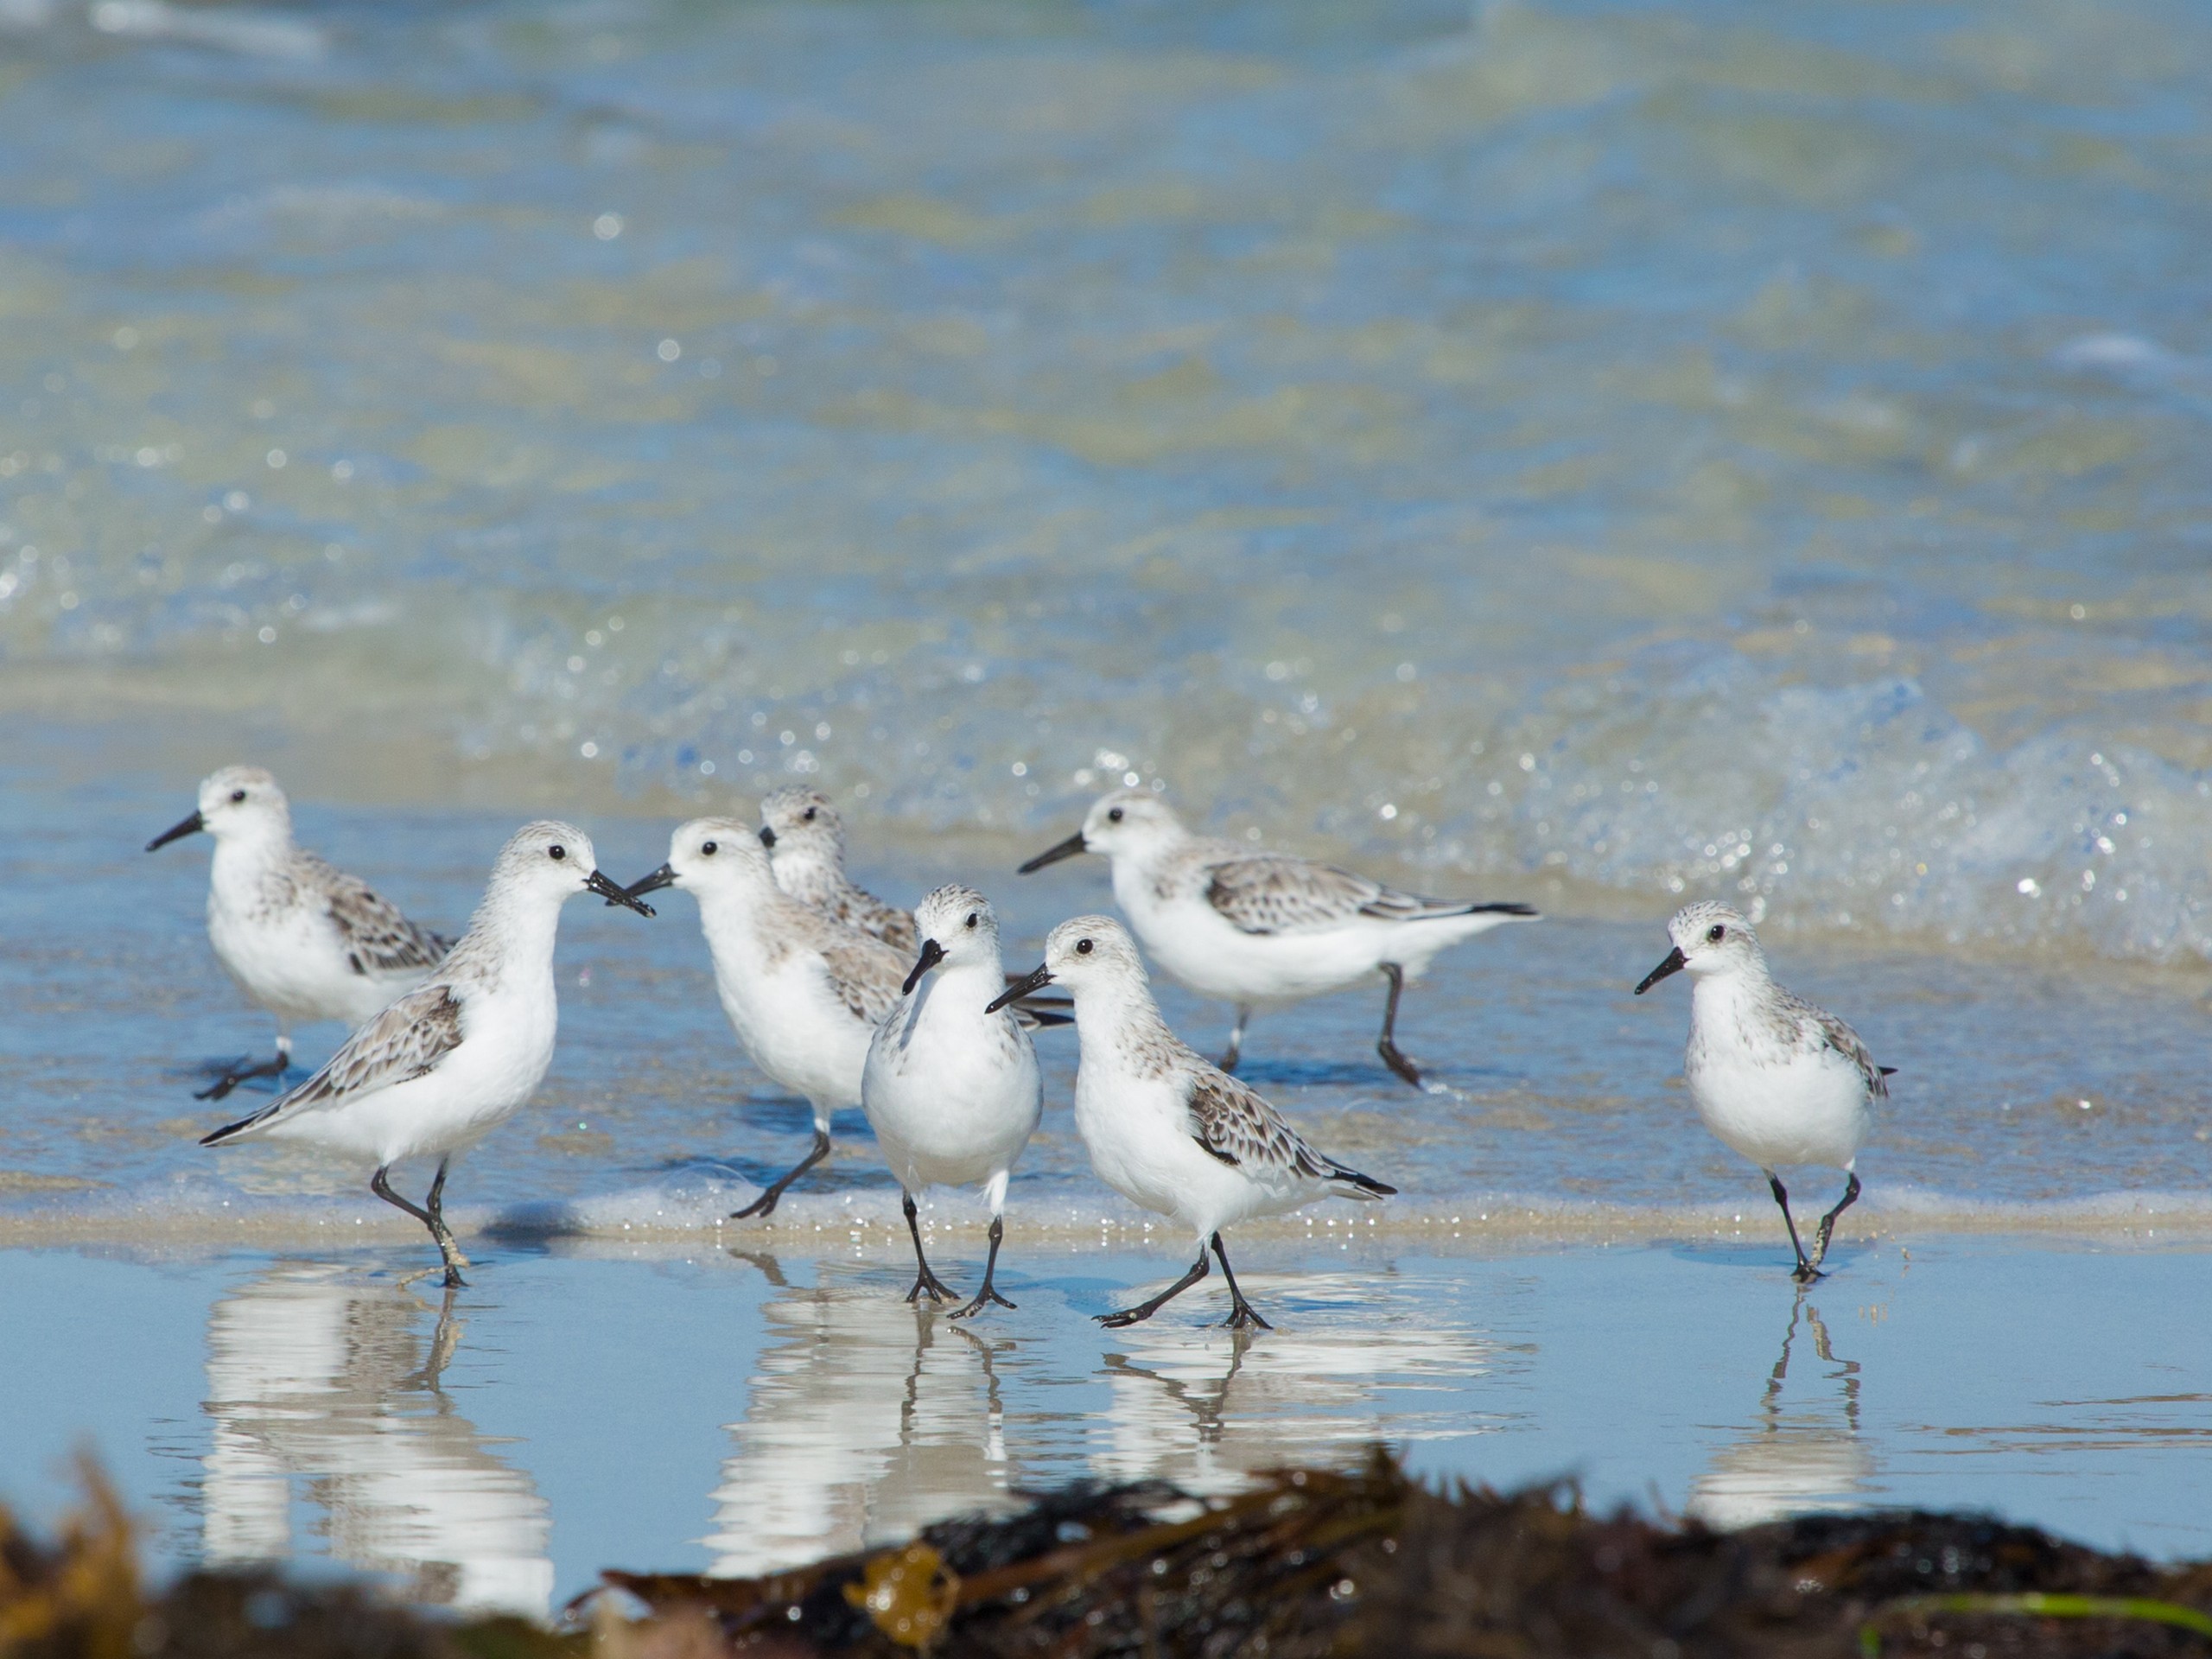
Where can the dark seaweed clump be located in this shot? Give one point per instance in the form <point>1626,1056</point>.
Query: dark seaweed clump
<point>1308,1563</point>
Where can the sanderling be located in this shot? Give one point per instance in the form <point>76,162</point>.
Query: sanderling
<point>1167,1129</point>
<point>804,993</point>
<point>1777,1079</point>
<point>806,845</point>
<point>304,940</point>
<point>445,1065</point>
<point>1255,928</point>
<point>951,1090</point>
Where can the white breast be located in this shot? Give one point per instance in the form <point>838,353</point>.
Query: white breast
<point>1774,1102</point>
<point>952,1094</point>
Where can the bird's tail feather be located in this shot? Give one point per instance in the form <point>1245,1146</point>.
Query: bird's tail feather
<point>1502,909</point>
<point>1402,907</point>
<point>1363,1187</point>
<point>232,1131</point>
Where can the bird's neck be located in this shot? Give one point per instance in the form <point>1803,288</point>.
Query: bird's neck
<point>808,873</point>
<point>1714,994</point>
<point>244,857</point>
<point>959,990</point>
<point>1115,1022</point>
<point>509,942</point>
<point>741,917</point>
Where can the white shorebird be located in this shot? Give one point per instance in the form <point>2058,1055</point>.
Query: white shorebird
<point>1777,1079</point>
<point>804,994</point>
<point>445,1065</point>
<point>1169,1130</point>
<point>304,940</point>
<point>951,1090</point>
<point>805,841</point>
<point>1258,928</point>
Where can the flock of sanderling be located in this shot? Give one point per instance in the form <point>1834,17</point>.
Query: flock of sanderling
<point>849,1000</point>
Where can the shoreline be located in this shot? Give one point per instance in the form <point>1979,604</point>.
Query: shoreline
<point>1503,1227</point>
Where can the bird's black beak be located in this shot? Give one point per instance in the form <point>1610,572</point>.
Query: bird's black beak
<point>767,836</point>
<point>1673,965</point>
<point>1067,848</point>
<point>662,877</point>
<point>191,826</point>
<point>1037,979</point>
<point>932,954</point>
<point>598,882</point>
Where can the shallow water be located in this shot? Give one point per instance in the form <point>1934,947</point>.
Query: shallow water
<point>1664,451</point>
<point>714,1411</point>
<point>2028,1094</point>
<point>1596,454</point>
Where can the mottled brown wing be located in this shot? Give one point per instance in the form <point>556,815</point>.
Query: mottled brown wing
<point>1233,1123</point>
<point>865,975</point>
<point>1267,894</point>
<point>401,1043</point>
<point>894,926</point>
<point>379,939</point>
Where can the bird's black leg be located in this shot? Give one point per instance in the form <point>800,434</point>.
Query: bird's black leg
<point>1237,1038</point>
<point>380,1184</point>
<point>238,1071</point>
<point>1386,1044</point>
<point>766,1201</point>
<point>990,1265</point>
<point>1804,1273</point>
<point>1240,1310</point>
<point>1827,1221</point>
<point>455,1260</point>
<point>1146,1310</point>
<point>926,1283</point>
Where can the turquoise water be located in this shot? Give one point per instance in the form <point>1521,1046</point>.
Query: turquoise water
<point>1595,454</point>
<point>1658,450</point>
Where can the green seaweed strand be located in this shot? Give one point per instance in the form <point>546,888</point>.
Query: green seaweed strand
<point>2034,1603</point>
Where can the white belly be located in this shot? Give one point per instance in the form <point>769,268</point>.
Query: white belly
<point>1194,944</point>
<point>797,1034</point>
<point>292,963</point>
<point>475,1088</point>
<point>1810,1109</point>
<point>1138,1148</point>
<point>952,1105</point>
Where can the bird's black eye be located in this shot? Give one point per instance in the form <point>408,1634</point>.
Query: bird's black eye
<point>556,852</point>
<point>809,815</point>
<point>1716,933</point>
<point>1083,947</point>
<point>1114,817</point>
<point>971,919</point>
<point>238,794</point>
<point>707,848</point>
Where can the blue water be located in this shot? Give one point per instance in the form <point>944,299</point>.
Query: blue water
<point>740,1412</point>
<point>1596,454</point>
<point>2060,1093</point>
<point>1658,450</point>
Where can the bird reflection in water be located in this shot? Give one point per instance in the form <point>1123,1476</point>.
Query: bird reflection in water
<point>1207,1407</point>
<point>1798,1459</point>
<point>317,1377</point>
<point>867,1420</point>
